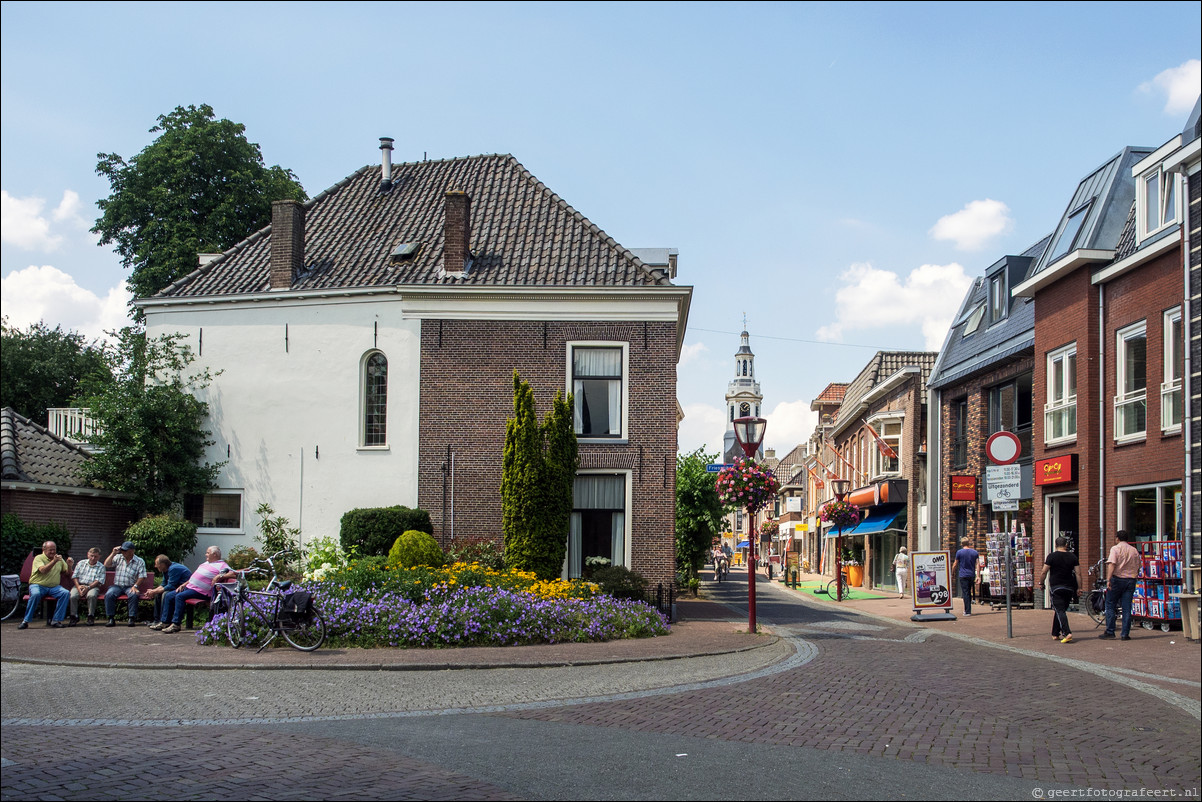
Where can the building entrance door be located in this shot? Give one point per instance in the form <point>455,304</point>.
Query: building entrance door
<point>1063,520</point>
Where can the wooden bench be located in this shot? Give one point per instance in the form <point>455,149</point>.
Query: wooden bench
<point>48,602</point>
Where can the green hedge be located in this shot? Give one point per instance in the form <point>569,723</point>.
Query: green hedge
<point>18,537</point>
<point>373,530</point>
<point>162,534</point>
<point>414,548</point>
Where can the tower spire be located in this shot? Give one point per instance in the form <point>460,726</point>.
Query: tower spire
<point>743,396</point>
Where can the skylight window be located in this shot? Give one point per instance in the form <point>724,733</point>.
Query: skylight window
<point>404,252</point>
<point>1072,231</point>
<point>974,320</point>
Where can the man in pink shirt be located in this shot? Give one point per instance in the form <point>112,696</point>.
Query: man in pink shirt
<point>1122,570</point>
<point>200,585</point>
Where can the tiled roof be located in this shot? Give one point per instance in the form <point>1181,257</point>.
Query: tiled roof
<point>833,394</point>
<point>1127,240</point>
<point>30,453</point>
<point>883,365</point>
<point>522,233</point>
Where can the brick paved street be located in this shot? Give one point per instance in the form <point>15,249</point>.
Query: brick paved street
<point>839,704</point>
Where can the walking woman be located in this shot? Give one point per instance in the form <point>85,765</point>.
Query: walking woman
<point>1061,566</point>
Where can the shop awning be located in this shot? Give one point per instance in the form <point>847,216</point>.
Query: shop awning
<point>742,545</point>
<point>878,520</point>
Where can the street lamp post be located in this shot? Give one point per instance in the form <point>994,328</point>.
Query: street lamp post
<point>840,488</point>
<point>749,432</point>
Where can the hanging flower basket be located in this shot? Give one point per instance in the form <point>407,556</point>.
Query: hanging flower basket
<point>842,514</point>
<point>745,484</point>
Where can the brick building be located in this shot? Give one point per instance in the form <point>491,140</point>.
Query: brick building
<point>368,339</point>
<point>40,484</point>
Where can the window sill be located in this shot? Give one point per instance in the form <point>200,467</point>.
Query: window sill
<point>593,441</point>
<point>372,448</point>
<point>212,530</point>
<point>1173,431</point>
<point>1063,441</point>
<point>1131,439</point>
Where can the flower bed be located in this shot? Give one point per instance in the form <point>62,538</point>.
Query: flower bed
<point>368,604</point>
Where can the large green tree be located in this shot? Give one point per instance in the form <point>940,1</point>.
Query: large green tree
<point>200,187</point>
<point>537,476</point>
<point>42,367</point>
<point>152,436</point>
<point>699,511</point>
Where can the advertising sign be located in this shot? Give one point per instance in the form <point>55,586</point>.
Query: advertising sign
<point>929,580</point>
<point>1056,470</point>
<point>964,488</point>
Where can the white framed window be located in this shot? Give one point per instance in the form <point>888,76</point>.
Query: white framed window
<point>600,524</point>
<point>1060,411</point>
<point>890,430</point>
<point>373,407</point>
<point>1151,512</point>
<point>216,512</point>
<point>1171,394</point>
<point>997,297</point>
<point>1131,401</point>
<point>1156,201</point>
<point>597,381</point>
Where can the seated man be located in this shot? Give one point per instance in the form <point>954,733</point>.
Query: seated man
<point>130,568</point>
<point>175,576</point>
<point>44,580</point>
<point>89,580</point>
<point>200,585</point>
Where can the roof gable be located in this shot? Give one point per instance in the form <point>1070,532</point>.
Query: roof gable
<point>522,233</point>
<point>30,453</point>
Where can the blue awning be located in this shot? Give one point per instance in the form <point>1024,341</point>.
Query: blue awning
<point>743,545</point>
<point>878,520</point>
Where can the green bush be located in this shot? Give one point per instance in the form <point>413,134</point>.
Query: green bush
<point>241,557</point>
<point>162,534</point>
<point>277,536</point>
<point>18,537</point>
<point>373,530</point>
<point>480,550</point>
<point>414,548</point>
<point>620,582</point>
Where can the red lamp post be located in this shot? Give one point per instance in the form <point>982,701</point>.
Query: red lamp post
<point>749,432</point>
<point>840,488</point>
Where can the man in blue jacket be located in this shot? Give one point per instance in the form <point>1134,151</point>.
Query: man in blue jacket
<point>175,576</point>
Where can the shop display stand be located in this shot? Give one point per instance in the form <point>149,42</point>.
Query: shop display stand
<point>1160,584</point>
<point>1022,577</point>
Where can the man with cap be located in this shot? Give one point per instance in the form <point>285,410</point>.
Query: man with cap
<point>129,569</point>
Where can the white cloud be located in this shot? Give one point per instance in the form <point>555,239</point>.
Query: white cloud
<point>790,423</point>
<point>48,294</point>
<point>704,425</point>
<point>691,352</point>
<point>69,210</point>
<point>877,299</point>
<point>22,223</point>
<point>975,225</point>
<point>1179,85</point>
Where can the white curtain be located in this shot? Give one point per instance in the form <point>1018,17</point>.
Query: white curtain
<point>602,362</point>
<point>575,564</point>
<point>599,492</point>
<point>618,543</point>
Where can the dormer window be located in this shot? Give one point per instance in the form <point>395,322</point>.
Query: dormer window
<point>1156,201</point>
<point>997,298</point>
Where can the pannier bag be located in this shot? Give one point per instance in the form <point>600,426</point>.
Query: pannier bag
<point>296,606</point>
<point>10,587</point>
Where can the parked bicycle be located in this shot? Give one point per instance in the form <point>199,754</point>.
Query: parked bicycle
<point>277,610</point>
<point>11,592</point>
<point>1095,600</point>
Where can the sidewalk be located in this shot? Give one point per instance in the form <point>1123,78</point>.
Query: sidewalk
<point>1163,654</point>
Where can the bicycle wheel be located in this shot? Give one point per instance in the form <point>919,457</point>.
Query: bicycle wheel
<point>1095,605</point>
<point>9,608</point>
<point>306,635</point>
<point>832,589</point>
<point>235,624</point>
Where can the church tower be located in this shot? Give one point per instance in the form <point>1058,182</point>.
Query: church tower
<point>743,397</point>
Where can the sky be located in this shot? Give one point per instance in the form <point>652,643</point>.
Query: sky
<point>836,174</point>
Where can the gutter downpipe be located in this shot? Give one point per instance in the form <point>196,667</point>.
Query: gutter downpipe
<point>1186,388</point>
<point>1102,419</point>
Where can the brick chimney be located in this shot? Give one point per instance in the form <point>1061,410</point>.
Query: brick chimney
<point>457,234</point>
<point>287,243</point>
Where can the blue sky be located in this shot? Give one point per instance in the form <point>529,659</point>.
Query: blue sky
<point>837,172</point>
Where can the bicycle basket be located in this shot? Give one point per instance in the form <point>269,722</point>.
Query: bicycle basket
<point>296,606</point>
<point>10,587</point>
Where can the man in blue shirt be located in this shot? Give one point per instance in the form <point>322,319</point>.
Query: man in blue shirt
<point>175,576</point>
<point>966,561</point>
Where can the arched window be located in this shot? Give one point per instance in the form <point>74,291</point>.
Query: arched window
<point>375,400</point>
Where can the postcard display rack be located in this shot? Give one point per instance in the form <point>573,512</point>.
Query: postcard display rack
<point>1159,579</point>
<point>1022,577</point>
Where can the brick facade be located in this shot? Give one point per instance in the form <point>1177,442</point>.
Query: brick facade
<point>467,398</point>
<point>91,520</point>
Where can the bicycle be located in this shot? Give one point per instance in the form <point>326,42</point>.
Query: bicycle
<point>249,612</point>
<point>832,588</point>
<point>1095,600</point>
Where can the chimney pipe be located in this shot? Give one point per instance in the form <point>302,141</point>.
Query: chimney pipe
<point>457,233</point>
<point>386,159</point>
<point>287,243</point>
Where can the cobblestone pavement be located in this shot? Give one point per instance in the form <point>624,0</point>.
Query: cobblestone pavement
<point>839,704</point>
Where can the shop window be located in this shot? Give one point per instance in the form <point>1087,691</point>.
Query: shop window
<point>1151,512</point>
<point>1171,400</point>
<point>1060,411</point>
<point>1131,402</point>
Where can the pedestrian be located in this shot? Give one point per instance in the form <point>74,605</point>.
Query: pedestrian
<point>175,575</point>
<point>901,570</point>
<point>129,568</point>
<point>1122,568</point>
<point>985,593</point>
<point>966,566</point>
<point>89,580</point>
<point>44,580</point>
<point>1060,575</point>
